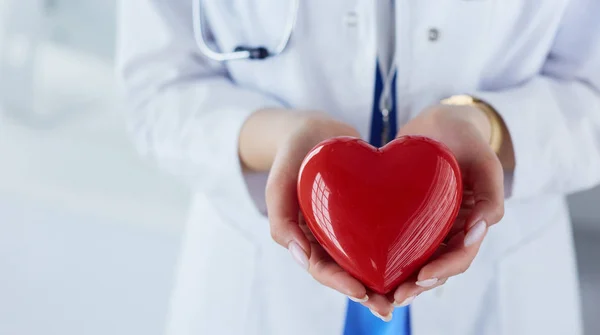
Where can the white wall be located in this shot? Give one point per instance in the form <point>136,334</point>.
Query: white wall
<point>97,16</point>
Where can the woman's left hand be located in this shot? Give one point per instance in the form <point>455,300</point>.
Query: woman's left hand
<point>465,130</point>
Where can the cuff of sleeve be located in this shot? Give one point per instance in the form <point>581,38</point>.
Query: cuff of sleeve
<point>519,108</point>
<point>233,187</point>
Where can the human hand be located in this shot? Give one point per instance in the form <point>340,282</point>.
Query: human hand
<point>465,130</point>
<point>288,227</point>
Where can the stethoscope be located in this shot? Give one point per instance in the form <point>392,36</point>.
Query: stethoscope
<point>241,52</point>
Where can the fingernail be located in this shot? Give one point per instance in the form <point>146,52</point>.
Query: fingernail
<point>406,302</point>
<point>361,300</point>
<point>476,233</point>
<point>386,318</point>
<point>298,254</point>
<point>427,282</point>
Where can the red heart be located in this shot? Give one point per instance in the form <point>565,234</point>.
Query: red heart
<point>380,213</point>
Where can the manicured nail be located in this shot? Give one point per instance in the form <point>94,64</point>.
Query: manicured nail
<point>386,318</point>
<point>361,300</point>
<point>475,233</point>
<point>406,302</point>
<point>298,254</point>
<point>427,282</point>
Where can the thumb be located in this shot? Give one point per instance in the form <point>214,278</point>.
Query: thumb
<point>283,209</point>
<point>485,177</point>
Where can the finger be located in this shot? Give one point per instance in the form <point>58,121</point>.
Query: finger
<point>456,260</point>
<point>442,248</point>
<point>459,224</point>
<point>485,177</point>
<point>327,272</point>
<point>380,306</point>
<point>438,283</point>
<point>408,291</point>
<point>283,209</point>
<point>306,231</point>
<point>468,200</point>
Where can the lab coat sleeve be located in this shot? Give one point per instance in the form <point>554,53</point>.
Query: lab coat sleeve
<point>554,118</point>
<point>184,111</point>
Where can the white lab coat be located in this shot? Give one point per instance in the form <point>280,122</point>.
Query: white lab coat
<point>537,62</point>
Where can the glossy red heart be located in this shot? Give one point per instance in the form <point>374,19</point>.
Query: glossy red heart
<point>380,213</point>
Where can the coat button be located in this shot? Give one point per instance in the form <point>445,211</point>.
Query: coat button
<point>351,19</point>
<point>433,34</point>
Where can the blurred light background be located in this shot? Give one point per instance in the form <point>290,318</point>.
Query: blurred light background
<point>88,231</point>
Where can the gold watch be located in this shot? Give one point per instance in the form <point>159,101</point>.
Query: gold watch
<point>490,112</point>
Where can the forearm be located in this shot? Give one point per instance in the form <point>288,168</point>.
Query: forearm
<point>261,134</point>
<point>486,121</point>
<point>267,130</point>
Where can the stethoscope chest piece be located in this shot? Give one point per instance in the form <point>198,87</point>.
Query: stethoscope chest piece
<point>254,53</point>
<point>241,51</point>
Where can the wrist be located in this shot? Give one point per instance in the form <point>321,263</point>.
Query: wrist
<point>261,136</point>
<point>319,127</point>
<point>484,118</point>
<point>481,121</point>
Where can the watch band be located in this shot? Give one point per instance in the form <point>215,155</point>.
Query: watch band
<point>495,120</point>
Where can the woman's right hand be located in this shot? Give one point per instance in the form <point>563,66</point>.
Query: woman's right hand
<point>287,225</point>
